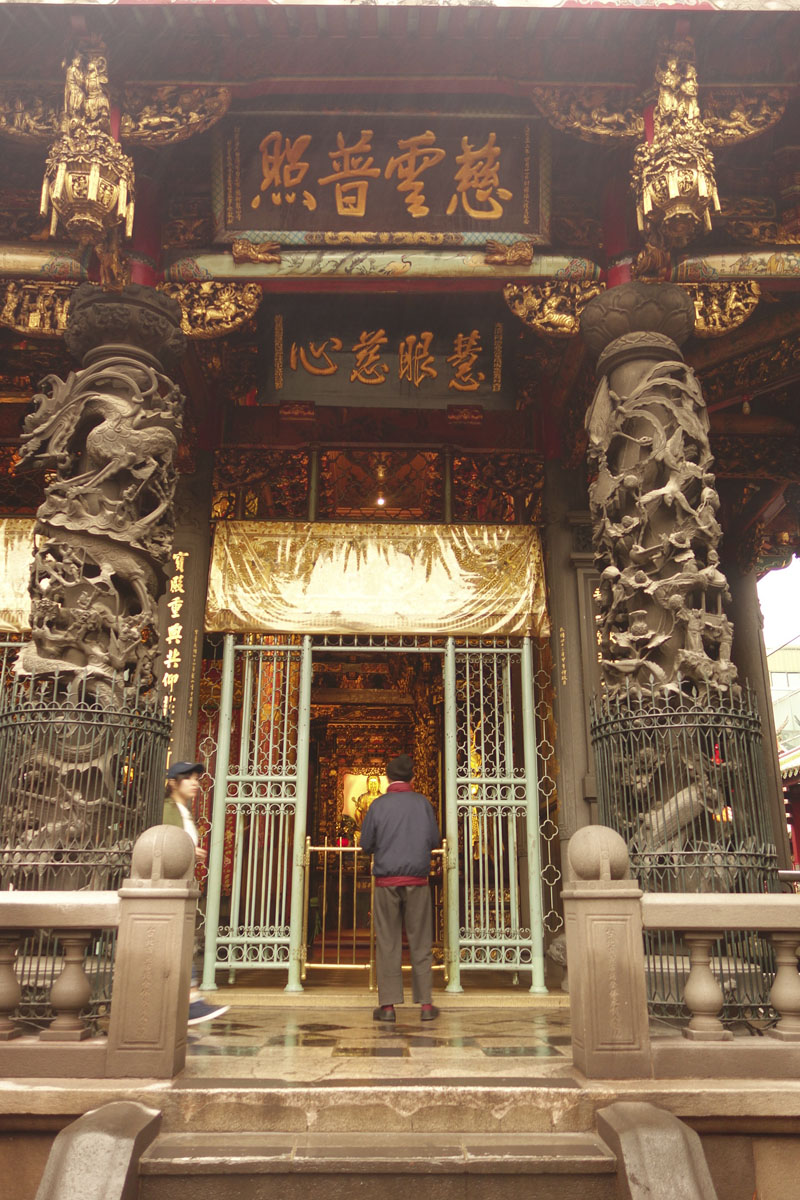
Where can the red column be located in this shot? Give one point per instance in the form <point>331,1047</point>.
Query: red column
<point>145,245</point>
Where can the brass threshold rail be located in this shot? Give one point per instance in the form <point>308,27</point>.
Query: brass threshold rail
<point>344,885</point>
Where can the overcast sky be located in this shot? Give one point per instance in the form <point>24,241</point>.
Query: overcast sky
<point>779,594</point>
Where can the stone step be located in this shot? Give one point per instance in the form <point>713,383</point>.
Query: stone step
<point>341,1166</point>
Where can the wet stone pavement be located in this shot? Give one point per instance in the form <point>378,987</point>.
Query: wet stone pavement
<point>297,1041</point>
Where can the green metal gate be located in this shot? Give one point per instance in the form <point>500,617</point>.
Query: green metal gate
<point>260,801</point>
<point>494,800</point>
<point>495,901</point>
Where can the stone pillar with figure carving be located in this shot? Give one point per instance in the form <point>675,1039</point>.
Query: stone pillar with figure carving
<point>109,434</point>
<point>653,497</point>
<point>677,741</point>
<point>83,734</point>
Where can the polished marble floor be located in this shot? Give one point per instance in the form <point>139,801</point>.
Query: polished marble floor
<point>311,1039</point>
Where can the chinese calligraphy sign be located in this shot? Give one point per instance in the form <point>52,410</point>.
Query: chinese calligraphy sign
<point>174,633</point>
<point>402,352</point>
<point>401,177</point>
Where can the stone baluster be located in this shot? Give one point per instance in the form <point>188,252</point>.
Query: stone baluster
<point>70,992</point>
<point>785,993</point>
<point>702,993</point>
<point>10,991</point>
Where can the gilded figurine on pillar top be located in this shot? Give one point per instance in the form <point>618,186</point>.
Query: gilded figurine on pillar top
<point>673,175</point>
<point>89,180</point>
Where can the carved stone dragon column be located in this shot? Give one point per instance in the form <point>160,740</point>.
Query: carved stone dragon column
<point>653,499</point>
<point>109,433</point>
<point>82,732</point>
<point>678,746</point>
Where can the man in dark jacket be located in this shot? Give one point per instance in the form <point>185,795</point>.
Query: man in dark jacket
<point>400,830</point>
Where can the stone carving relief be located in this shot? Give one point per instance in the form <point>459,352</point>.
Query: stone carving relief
<point>654,509</point>
<point>109,432</point>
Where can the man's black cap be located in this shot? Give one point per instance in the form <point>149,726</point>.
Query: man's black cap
<point>400,768</point>
<point>184,768</point>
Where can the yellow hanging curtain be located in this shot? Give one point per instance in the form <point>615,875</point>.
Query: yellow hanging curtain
<point>16,556</point>
<point>426,579</point>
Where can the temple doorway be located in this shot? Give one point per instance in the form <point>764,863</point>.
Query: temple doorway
<point>305,728</point>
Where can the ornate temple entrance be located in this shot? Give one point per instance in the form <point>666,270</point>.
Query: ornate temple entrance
<point>306,725</point>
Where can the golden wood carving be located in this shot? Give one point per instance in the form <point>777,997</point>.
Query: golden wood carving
<point>150,116</point>
<point>212,309</point>
<point>653,262</point>
<point>88,179</point>
<point>761,232</point>
<point>596,114</point>
<point>576,230</point>
<point>245,251</point>
<point>721,307</point>
<point>606,113</point>
<point>517,254</point>
<point>673,176</point>
<point>170,114</point>
<point>553,309</point>
<point>29,114</point>
<point>731,115</point>
<point>37,308</point>
<point>189,223</point>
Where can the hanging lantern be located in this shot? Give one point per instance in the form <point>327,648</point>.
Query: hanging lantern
<point>89,180</point>
<point>673,175</point>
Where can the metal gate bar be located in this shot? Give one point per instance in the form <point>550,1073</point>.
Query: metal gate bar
<point>346,906</point>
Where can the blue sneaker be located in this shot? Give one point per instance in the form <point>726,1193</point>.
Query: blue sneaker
<point>200,1011</point>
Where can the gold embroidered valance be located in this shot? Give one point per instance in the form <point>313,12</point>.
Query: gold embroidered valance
<point>341,578</point>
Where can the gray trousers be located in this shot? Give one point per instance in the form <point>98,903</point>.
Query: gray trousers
<point>393,906</point>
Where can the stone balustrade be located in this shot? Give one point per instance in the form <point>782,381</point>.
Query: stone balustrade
<point>153,914</point>
<point>607,915</point>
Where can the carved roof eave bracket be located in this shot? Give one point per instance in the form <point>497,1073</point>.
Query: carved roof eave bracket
<point>213,309</point>
<point>151,116</point>
<point>612,112</point>
<point>553,309</point>
<point>39,308</point>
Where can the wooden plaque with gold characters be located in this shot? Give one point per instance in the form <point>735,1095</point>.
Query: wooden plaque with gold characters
<point>417,179</point>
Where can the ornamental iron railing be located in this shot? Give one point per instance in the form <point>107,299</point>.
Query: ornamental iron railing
<point>680,776</point>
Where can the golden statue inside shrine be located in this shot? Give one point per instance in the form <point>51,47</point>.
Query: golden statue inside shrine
<point>365,799</point>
